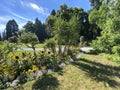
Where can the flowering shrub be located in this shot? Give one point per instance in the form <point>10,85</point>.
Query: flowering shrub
<point>16,63</point>
<point>46,59</point>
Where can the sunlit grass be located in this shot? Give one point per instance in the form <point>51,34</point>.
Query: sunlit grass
<point>37,45</point>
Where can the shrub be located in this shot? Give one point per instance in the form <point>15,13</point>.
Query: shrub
<point>116,50</point>
<point>50,43</point>
<point>13,39</point>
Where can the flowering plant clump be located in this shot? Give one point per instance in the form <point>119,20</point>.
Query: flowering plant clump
<point>46,59</point>
<point>14,63</point>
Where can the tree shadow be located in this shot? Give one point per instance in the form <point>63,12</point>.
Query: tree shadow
<point>92,52</point>
<point>100,72</point>
<point>46,82</point>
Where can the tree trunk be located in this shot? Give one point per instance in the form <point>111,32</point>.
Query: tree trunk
<point>68,48</point>
<point>34,50</point>
<point>59,48</point>
<point>65,48</point>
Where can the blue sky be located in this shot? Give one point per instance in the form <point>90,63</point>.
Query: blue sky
<point>27,10</point>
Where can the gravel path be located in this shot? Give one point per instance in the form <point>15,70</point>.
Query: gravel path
<point>82,48</point>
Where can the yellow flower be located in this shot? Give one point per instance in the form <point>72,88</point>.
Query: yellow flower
<point>6,73</point>
<point>1,69</point>
<point>24,72</point>
<point>43,67</point>
<point>9,64</point>
<point>27,58</point>
<point>34,68</point>
<point>29,70</point>
<point>16,57</point>
<point>55,54</point>
<point>41,51</point>
<point>23,54</point>
<point>13,72</point>
<point>48,52</point>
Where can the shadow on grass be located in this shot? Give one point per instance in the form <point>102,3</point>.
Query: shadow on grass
<point>99,72</point>
<point>92,52</point>
<point>46,82</point>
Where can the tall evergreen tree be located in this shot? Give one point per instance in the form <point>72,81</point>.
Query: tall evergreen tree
<point>29,27</point>
<point>0,37</point>
<point>11,28</point>
<point>4,35</point>
<point>39,30</point>
<point>53,12</point>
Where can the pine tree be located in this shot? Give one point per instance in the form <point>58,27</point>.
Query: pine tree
<point>11,28</point>
<point>0,37</point>
<point>39,30</point>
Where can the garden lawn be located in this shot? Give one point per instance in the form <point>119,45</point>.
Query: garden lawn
<point>36,46</point>
<point>90,72</point>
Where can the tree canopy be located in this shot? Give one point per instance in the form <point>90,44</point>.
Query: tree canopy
<point>107,17</point>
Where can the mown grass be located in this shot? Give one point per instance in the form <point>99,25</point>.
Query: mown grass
<point>2,45</point>
<point>90,72</point>
<point>37,45</point>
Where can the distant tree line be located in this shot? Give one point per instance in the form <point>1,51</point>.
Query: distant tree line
<point>46,30</point>
<point>12,29</point>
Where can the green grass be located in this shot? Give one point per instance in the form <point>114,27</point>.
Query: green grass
<point>90,72</point>
<point>2,45</point>
<point>39,45</point>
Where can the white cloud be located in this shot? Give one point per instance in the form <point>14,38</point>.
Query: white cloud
<point>21,17</point>
<point>21,25</point>
<point>3,19</point>
<point>37,8</point>
<point>2,27</point>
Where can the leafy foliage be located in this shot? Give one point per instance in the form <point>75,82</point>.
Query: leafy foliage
<point>51,44</point>
<point>109,39</point>
<point>29,38</point>
<point>38,28</point>
<point>13,39</point>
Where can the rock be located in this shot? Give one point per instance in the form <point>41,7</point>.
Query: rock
<point>39,73</point>
<point>62,65</point>
<point>106,84</point>
<point>18,80</point>
<point>79,55</point>
<point>71,60</point>
<point>86,49</point>
<point>14,83</point>
<point>44,71</point>
<point>22,78</point>
<point>50,70</point>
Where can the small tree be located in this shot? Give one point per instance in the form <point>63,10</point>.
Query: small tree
<point>50,43</point>
<point>13,39</point>
<point>29,38</point>
<point>66,33</point>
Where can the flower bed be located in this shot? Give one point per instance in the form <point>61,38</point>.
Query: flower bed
<point>17,68</point>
